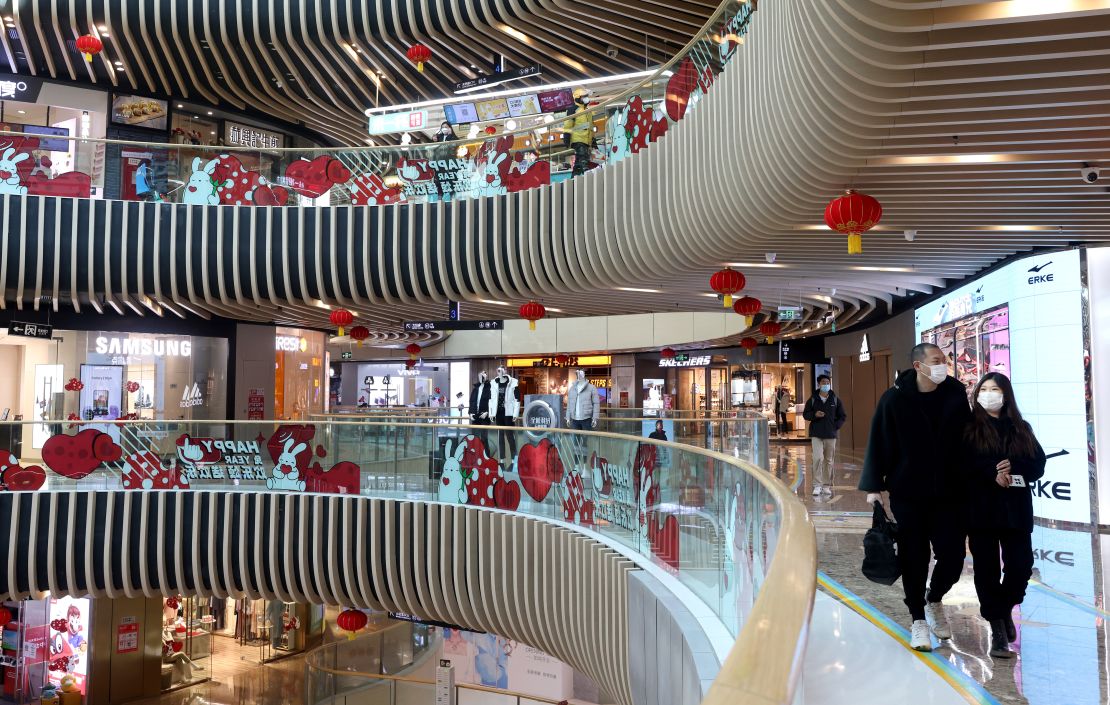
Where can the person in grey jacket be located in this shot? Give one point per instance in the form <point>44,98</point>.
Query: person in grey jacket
<point>583,404</point>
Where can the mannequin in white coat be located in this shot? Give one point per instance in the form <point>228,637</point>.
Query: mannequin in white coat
<point>504,407</point>
<point>583,403</point>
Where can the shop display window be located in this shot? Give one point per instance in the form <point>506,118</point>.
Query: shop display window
<point>300,379</point>
<point>44,642</point>
<point>186,642</point>
<point>975,344</point>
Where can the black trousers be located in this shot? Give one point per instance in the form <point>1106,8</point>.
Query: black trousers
<point>997,593</point>
<point>504,437</point>
<point>780,418</point>
<point>481,433</point>
<point>935,525</point>
<point>581,157</point>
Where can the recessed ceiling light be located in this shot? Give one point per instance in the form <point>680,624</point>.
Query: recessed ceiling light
<point>638,291</point>
<point>119,63</point>
<point>179,105</point>
<point>757,265</point>
<point>212,132</point>
<point>494,303</point>
<point>882,269</point>
<point>209,112</point>
<point>103,28</point>
<point>22,112</point>
<point>925,159</point>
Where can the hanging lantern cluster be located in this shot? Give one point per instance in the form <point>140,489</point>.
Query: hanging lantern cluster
<point>351,621</point>
<point>853,214</point>
<point>770,329</point>
<point>341,318</point>
<point>359,334</point>
<point>413,350</point>
<point>88,45</point>
<point>748,307</point>
<point>418,54</point>
<point>749,344</point>
<point>726,283</point>
<point>667,353</point>
<point>132,387</point>
<point>74,385</point>
<point>532,312</point>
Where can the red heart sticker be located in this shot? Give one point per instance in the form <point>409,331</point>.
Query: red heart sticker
<point>506,495</point>
<point>539,467</point>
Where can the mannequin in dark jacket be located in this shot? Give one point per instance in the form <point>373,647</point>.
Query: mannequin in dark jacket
<point>912,453</point>
<point>999,447</point>
<point>825,413</point>
<point>479,404</point>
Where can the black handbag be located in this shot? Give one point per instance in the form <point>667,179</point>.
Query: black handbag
<point>880,549</point>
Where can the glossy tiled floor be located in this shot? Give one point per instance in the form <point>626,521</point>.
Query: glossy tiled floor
<point>1062,630</point>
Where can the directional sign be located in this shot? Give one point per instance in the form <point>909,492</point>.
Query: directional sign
<point>347,355</point>
<point>497,78</point>
<point>30,330</point>
<point>425,326</point>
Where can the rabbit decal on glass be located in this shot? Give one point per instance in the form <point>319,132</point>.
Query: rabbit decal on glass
<point>286,474</point>
<point>452,488</point>
<point>10,182</point>
<point>201,189</point>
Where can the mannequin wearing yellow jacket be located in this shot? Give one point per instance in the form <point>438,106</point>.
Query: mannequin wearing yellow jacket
<point>579,126</point>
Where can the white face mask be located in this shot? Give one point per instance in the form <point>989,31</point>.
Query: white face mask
<point>991,401</point>
<point>936,373</point>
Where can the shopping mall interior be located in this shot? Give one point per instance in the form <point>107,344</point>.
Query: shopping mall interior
<point>558,353</point>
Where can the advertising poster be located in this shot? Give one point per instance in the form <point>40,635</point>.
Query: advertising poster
<point>256,404</point>
<point>69,645</point>
<point>652,395</point>
<point>1026,321</point>
<point>102,396</point>
<point>496,662</point>
<point>136,111</point>
<point>660,430</point>
<point>542,411</point>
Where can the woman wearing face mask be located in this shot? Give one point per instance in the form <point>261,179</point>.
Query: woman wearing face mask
<point>443,175</point>
<point>1002,460</point>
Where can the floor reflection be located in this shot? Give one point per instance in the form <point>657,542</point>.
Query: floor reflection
<point>1061,625</point>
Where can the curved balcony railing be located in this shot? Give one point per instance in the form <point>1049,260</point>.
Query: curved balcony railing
<point>731,534</point>
<point>486,162</point>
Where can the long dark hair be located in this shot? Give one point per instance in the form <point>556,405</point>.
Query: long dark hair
<point>982,435</point>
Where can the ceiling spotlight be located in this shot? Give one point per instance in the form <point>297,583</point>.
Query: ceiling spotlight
<point>771,257</point>
<point>473,132</point>
<point>406,138</point>
<point>910,235</point>
<point>510,125</point>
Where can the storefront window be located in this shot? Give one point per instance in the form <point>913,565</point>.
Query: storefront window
<point>52,156</point>
<point>300,373</point>
<point>45,642</point>
<point>186,642</point>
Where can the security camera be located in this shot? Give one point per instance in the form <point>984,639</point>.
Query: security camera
<point>611,51</point>
<point>1089,173</point>
<point>910,235</point>
<point>771,257</point>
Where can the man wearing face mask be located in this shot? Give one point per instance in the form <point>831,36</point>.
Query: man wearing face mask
<point>825,413</point>
<point>912,453</point>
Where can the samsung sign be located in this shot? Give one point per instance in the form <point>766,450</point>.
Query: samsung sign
<point>160,347</point>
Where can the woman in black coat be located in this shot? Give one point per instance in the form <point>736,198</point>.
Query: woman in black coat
<point>1002,459</point>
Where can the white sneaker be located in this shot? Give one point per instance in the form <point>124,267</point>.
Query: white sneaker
<point>938,620</point>
<point>816,490</point>
<point>919,636</point>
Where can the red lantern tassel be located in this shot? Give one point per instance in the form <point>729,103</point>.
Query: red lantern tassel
<point>531,325</point>
<point>855,244</point>
<point>749,352</point>
<point>728,300</point>
<point>340,331</point>
<point>420,66</point>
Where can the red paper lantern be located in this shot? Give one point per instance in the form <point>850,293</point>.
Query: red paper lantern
<point>360,333</point>
<point>667,353</point>
<point>5,616</point>
<point>409,364</point>
<point>88,45</point>
<point>727,282</point>
<point>413,350</point>
<point>341,317</point>
<point>770,329</point>
<point>561,359</point>
<point>351,621</point>
<point>853,214</point>
<point>418,54</point>
<point>749,344</point>
<point>491,130</point>
<point>748,307</point>
<point>438,390</point>
<point>532,312</point>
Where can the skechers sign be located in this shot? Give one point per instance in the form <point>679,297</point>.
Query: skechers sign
<point>159,347</point>
<point>1025,320</point>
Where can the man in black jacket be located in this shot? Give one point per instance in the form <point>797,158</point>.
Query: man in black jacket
<point>825,413</point>
<point>912,454</point>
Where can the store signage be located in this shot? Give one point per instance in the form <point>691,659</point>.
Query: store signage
<point>398,122</point>
<point>418,326</point>
<point>690,361</point>
<point>453,311</point>
<point>24,88</point>
<point>1039,276</point>
<point>191,396</point>
<point>406,617</point>
<point>573,361</point>
<point>497,78</point>
<point>403,372</point>
<point>159,347</point>
<point>347,355</point>
<point>30,330</point>
<point>784,351</point>
<point>245,136</point>
<point>218,459</point>
<point>865,349</point>
<point>290,343</point>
